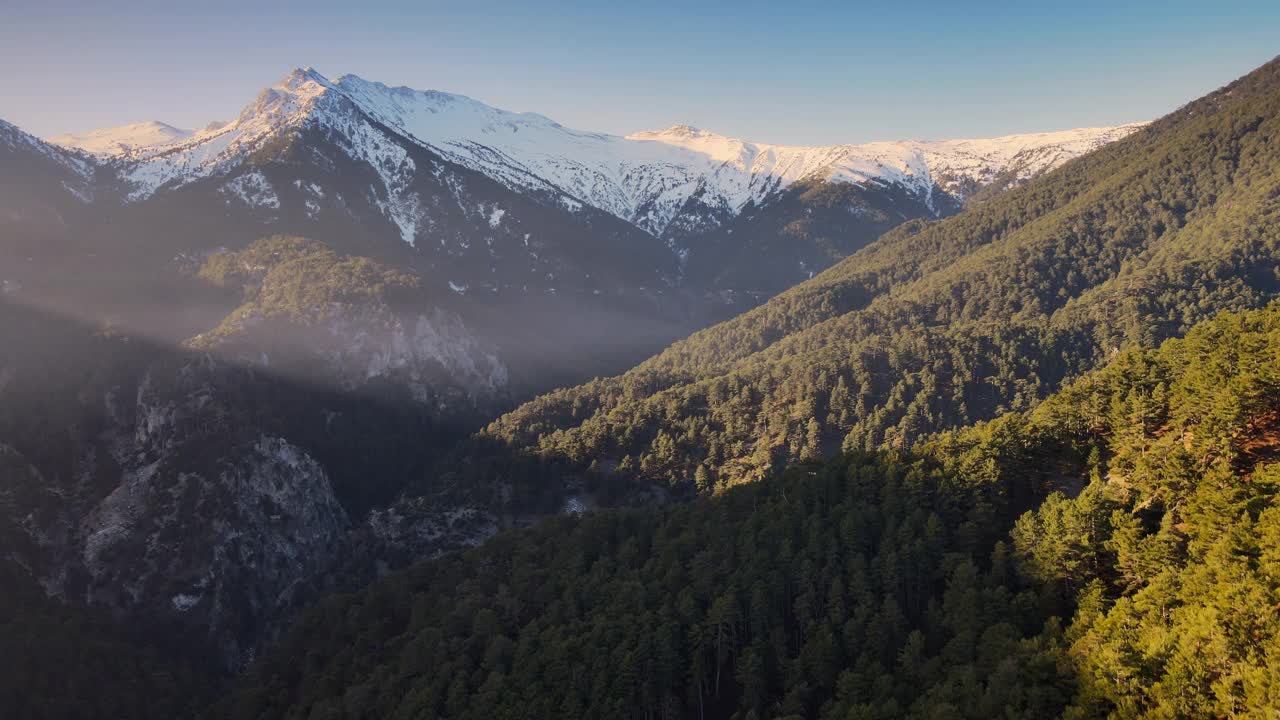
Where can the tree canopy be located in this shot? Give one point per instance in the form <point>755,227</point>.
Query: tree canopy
<point>1111,553</point>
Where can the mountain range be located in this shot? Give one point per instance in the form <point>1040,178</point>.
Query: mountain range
<point>358,327</point>
<point>681,176</point>
<point>528,223</point>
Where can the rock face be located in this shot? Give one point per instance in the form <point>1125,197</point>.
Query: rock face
<point>220,552</point>
<point>423,353</point>
<point>173,513</point>
<point>207,499</point>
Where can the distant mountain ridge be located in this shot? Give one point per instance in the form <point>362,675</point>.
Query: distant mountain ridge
<point>648,179</point>
<point>528,223</point>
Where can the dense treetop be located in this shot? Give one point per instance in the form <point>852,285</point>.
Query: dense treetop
<point>1116,552</point>
<point>299,280</point>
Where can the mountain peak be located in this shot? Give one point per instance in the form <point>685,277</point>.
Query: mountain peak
<point>288,100</point>
<point>163,157</point>
<point>679,130</point>
<point>682,129</point>
<point>302,75</point>
<point>644,178</point>
<point>123,138</point>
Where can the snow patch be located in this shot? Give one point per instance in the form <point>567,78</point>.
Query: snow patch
<point>254,190</point>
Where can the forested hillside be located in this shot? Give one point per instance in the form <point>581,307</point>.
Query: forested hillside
<point>1116,552</point>
<point>941,324</point>
<point>1019,462</point>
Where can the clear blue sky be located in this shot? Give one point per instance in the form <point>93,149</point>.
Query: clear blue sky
<point>814,73</point>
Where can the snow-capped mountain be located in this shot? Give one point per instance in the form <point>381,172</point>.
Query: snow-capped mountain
<point>536,229</point>
<point>528,271</point>
<point>150,158</point>
<point>122,139</point>
<point>19,145</point>
<point>647,178</point>
<point>41,185</point>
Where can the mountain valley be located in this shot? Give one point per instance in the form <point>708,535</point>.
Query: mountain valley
<point>382,402</point>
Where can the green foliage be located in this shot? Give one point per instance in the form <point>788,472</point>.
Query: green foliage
<point>1174,550</point>
<point>1142,582</point>
<point>830,590</point>
<point>297,280</point>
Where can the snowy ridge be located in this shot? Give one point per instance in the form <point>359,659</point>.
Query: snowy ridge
<point>123,139</point>
<point>289,105</point>
<point>18,139</point>
<point>915,164</point>
<point>647,178</point>
<point>304,99</point>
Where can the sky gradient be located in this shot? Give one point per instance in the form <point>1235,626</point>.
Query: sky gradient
<point>810,73</point>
